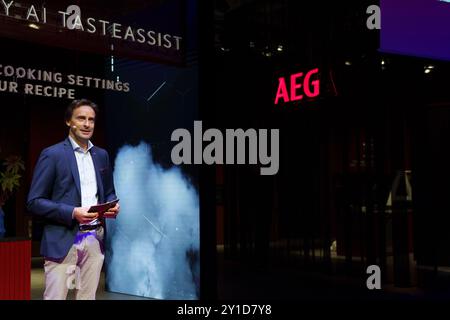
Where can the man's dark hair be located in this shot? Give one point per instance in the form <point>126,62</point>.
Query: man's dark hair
<point>78,103</point>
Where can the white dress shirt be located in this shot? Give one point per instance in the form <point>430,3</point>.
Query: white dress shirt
<point>86,170</point>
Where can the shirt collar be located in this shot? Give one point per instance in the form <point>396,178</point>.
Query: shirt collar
<point>76,146</point>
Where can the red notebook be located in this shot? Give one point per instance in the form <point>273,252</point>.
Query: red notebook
<point>103,207</point>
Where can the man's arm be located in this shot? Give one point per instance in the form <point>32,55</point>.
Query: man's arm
<point>39,202</point>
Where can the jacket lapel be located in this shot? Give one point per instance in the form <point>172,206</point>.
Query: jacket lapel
<point>70,156</point>
<point>97,167</point>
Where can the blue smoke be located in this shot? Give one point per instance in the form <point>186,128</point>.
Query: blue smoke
<point>153,245</point>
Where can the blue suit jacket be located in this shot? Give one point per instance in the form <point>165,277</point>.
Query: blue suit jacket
<point>55,192</point>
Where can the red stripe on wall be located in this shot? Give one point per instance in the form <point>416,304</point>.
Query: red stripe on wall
<point>2,274</point>
<point>15,270</point>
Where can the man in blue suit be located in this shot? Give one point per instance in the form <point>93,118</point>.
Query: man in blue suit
<point>68,179</point>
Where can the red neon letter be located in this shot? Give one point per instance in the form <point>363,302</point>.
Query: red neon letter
<point>282,91</point>
<point>295,86</point>
<point>315,84</point>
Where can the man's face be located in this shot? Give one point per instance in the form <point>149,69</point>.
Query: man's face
<point>82,123</point>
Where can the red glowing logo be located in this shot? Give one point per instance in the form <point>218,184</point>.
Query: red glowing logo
<point>310,88</point>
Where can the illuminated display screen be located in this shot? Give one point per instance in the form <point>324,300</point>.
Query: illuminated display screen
<point>153,247</point>
<point>416,27</point>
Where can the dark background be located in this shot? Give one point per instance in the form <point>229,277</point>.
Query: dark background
<point>377,114</point>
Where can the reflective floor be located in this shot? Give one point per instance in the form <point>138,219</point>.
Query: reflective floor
<point>280,281</point>
<point>250,281</point>
<point>38,285</point>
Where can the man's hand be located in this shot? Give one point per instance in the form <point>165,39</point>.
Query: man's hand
<point>113,212</point>
<point>83,216</point>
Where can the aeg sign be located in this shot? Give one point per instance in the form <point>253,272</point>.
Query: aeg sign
<point>293,90</point>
